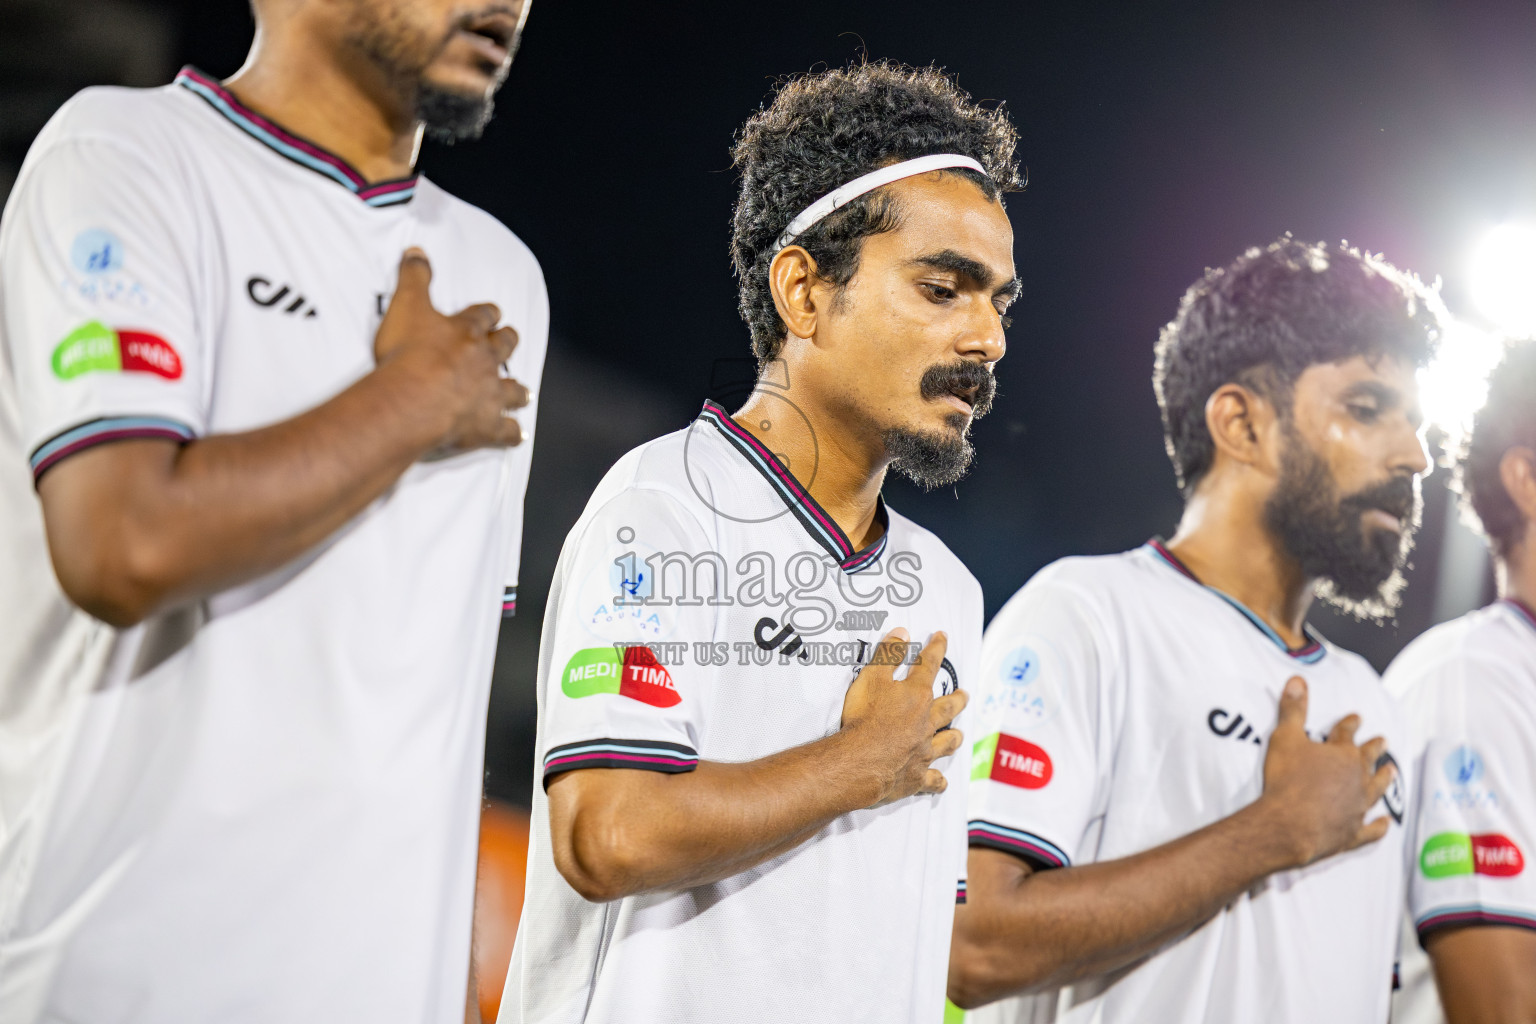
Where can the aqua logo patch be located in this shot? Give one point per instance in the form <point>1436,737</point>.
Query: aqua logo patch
<point>95,347</point>
<point>96,251</point>
<point>1463,766</point>
<point>1020,667</point>
<point>1012,761</point>
<point>631,672</point>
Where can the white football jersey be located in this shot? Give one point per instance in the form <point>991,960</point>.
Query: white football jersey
<point>264,806</point>
<point>1468,689</point>
<point>706,607</point>
<point>1122,705</point>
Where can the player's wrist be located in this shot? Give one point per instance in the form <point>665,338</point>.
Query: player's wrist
<point>862,765</point>
<point>1274,838</point>
<point>417,397</point>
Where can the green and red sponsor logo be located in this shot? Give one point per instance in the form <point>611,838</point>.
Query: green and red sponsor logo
<point>1010,760</point>
<point>1448,854</point>
<point>631,672</point>
<point>95,346</point>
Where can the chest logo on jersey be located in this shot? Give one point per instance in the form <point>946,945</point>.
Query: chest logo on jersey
<point>1229,725</point>
<point>96,347</point>
<point>1448,854</point>
<point>631,672</point>
<point>1011,761</point>
<point>270,295</point>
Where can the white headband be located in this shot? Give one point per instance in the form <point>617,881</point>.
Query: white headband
<point>845,194</point>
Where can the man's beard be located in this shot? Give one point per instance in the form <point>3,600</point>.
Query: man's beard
<point>1358,573</point>
<point>450,116</point>
<point>941,458</point>
<point>403,57</point>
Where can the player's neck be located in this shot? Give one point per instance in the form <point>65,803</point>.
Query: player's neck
<point>310,94</point>
<point>1517,570</point>
<point>1230,550</point>
<point>843,476</point>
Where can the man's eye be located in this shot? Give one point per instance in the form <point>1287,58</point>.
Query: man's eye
<point>1364,413</point>
<point>939,292</point>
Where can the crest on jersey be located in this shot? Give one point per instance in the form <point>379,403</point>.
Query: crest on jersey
<point>1395,798</point>
<point>946,681</point>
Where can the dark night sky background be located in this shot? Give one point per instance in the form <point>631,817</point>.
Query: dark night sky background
<point>1158,139</point>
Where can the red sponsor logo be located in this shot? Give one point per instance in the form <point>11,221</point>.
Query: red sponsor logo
<point>1494,854</point>
<point>148,353</point>
<point>1020,763</point>
<point>646,679</point>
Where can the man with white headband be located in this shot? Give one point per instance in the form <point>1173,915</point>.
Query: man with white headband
<point>751,806</point>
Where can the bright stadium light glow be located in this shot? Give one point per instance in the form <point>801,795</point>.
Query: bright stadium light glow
<point>1504,278</point>
<point>1452,387</point>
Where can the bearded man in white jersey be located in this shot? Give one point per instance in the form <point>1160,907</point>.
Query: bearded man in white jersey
<point>260,510</point>
<point>1468,689</point>
<point>749,811</point>
<point>1171,818</point>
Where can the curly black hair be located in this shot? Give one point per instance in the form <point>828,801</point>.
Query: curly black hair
<point>1271,314</point>
<point>823,130</point>
<point>1506,420</point>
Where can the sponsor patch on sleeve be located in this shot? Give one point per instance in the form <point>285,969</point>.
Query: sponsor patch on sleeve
<point>94,347</point>
<point>1448,854</point>
<point>1012,761</point>
<point>631,672</point>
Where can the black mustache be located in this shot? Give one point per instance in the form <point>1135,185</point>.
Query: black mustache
<point>963,376</point>
<point>1396,497</point>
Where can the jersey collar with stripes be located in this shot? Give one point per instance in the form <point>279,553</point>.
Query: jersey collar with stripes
<point>1521,609</point>
<point>817,522</point>
<point>1308,653</point>
<point>294,147</point>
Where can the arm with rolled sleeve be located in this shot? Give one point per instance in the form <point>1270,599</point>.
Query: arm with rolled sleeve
<point>1034,920</point>
<point>108,330</point>
<point>633,808</point>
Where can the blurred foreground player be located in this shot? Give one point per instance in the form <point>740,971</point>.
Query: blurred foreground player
<point>1149,841</point>
<point>242,711</point>
<point>1469,692</point>
<point>758,816</point>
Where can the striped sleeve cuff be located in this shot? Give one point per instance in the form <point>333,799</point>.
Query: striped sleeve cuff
<point>1473,914</point>
<point>110,428</point>
<point>1031,847</point>
<point>509,602</point>
<point>960,891</point>
<point>646,755</point>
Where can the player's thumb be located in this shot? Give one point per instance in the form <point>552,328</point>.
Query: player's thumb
<point>415,276</point>
<point>1293,705</point>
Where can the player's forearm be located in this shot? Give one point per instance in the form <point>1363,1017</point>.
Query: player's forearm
<point>621,832</point>
<point>1023,931</point>
<point>137,526</point>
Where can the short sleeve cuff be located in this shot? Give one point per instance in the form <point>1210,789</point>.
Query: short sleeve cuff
<point>1038,851</point>
<point>1472,914</point>
<point>100,431</point>
<point>645,755</point>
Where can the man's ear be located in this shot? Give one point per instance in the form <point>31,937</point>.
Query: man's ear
<point>791,276</point>
<point>1243,426</point>
<point>1517,472</point>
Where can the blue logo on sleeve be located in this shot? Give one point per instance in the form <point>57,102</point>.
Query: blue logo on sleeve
<point>96,251</point>
<point>1464,766</point>
<point>1020,667</point>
